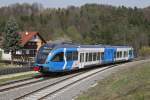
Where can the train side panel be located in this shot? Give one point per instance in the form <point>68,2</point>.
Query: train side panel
<point>89,56</point>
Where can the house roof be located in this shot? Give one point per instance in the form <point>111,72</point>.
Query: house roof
<point>27,36</point>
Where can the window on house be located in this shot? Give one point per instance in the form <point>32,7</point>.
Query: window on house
<point>6,51</point>
<point>18,52</point>
<point>35,36</point>
<point>33,43</point>
<point>33,52</point>
<point>27,51</point>
<point>23,51</point>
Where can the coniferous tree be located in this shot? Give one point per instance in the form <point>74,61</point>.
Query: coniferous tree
<point>10,36</point>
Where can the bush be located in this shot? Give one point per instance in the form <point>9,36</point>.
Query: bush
<point>144,51</point>
<point>0,55</point>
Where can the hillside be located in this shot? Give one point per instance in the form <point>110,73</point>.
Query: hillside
<point>89,24</point>
<point>132,83</point>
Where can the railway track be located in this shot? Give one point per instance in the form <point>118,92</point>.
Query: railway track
<point>17,84</point>
<point>27,81</point>
<point>49,90</point>
<point>43,89</point>
<point>22,82</point>
<point>24,89</point>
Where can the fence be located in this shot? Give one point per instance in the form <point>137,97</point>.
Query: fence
<point>22,67</point>
<point>15,70</point>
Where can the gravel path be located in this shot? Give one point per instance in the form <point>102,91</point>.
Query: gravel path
<point>74,90</point>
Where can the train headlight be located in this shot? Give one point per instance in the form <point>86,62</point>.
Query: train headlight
<point>36,68</point>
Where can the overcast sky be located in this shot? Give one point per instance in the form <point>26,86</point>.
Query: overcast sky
<point>65,3</point>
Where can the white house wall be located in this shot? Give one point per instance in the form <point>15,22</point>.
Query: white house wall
<point>5,56</point>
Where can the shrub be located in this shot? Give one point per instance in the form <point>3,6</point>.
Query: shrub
<point>144,51</point>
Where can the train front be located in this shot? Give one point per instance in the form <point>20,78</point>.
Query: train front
<point>41,57</point>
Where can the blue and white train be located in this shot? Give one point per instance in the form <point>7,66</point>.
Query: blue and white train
<point>53,57</point>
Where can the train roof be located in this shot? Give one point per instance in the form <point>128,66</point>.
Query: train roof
<point>75,45</point>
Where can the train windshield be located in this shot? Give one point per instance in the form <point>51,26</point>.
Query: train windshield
<point>42,54</point>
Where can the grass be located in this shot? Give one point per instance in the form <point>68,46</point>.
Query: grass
<point>129,84</point>
<point>5,80</point>
<point>5,65</point>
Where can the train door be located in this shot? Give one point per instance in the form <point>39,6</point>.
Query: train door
<point>82,60</point>
<point>130,54</point>
<point>71,59</point>
<point>115,54</point>
<point>109,55</point>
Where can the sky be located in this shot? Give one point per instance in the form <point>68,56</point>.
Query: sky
<point>66,3</point>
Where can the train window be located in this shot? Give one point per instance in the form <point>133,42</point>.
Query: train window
<point>75,55</point>
<point>121,54</point>
<point>102,55</point>
<point>114,54</point>
<point>98,55</point>
<point>117,54</point>
<point>90,56</point>
<point>69,56</point>
<point>58,57</point>
<point>125,53</point>
<point>72,56</point>
<point>130,52</point>
<point>46,50</point>
<point>87,57</point>
<point>82,57</point>
<point>94,56</point>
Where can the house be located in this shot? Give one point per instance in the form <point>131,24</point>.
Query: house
<point>30,43</point>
